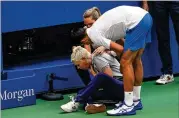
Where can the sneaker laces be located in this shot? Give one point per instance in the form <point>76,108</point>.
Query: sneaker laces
<point>122,108</point>
<point>119,106</point>
<point>72,98</point>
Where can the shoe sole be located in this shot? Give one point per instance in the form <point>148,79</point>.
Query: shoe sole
<point>164,83</point>
<point>92,109</point>
<point>138,108</point>
<point>66,110</point>
<point>127,114</point>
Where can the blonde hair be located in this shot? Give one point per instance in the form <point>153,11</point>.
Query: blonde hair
<point>93,12</point>
<point>79,53</point>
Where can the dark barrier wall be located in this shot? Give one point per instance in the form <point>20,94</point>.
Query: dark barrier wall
<point>27,15</point>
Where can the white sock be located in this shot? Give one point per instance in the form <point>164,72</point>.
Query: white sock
<point>137,90</point>
<point>128,98</point>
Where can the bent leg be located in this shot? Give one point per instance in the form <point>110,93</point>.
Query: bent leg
<point>101,81</point>
<point>127,69</point>
<point>138,68</point>
<point>138,71</point>
<point>113,88</point>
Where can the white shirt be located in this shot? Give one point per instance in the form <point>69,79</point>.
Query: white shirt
<point>114,23</point>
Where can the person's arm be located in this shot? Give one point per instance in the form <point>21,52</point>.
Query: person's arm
<point>101,64</point>
<point>99,50</point>
<point>107,70</point>
<point>116,48</point>
<point>120,41</point>
<point>145,5</point>
<point>100,40</point>
<point>92,71</point>
<point>88,47</point>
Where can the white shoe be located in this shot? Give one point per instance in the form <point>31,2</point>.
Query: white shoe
<point>70,106</point>
<point>165,79</point>
<point>121,110</point>
<point>118,104</point>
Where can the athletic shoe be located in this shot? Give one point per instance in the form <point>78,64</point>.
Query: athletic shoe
<point>118,104</point>
<point>70,106</point>
<point>95,108</point>
<point>165,79</point>
<point>122,110</point>
<point>138,105</point>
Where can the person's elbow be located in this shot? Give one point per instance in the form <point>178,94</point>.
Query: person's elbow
<point>108,71</point>
<point>116,48</point>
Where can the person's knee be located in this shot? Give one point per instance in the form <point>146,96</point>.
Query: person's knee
<point>124,63</point>
<point>101,76</point>
<point>126,60</point>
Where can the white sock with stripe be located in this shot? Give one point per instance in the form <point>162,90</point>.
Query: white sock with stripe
<point>137,90</point>
<point>128,98</point>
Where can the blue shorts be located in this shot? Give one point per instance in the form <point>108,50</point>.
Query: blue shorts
<point>137,37</point>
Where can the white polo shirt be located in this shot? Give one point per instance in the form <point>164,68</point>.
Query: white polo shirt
<point>114,23</point>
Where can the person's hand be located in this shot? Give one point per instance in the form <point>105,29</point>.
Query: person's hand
<point>145,5</point>
<point>99,50</point>
<point>112,53</point>
<point>91,70</point>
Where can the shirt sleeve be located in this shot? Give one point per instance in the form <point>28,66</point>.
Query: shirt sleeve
<point>100,63</point>
<point>98,39</point>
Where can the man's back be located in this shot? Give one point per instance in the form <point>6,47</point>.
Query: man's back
<point>114,23</point>
<point>129,15</point>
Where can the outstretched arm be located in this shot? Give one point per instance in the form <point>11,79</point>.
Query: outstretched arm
<point>88,47</point>
<point>121,41</point>
<point>116,48</point>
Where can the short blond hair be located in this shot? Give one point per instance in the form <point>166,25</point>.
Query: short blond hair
<point>79,53</point>
<point>93,12</point>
